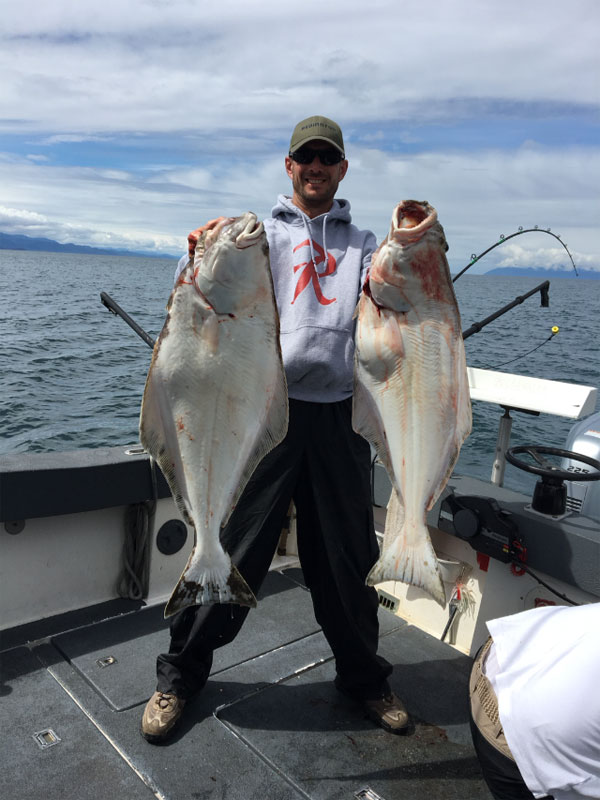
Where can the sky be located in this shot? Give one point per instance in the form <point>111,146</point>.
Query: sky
<point>128,124</point>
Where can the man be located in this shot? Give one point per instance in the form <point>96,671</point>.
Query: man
<point>319,262</point>
<point>535,705</point>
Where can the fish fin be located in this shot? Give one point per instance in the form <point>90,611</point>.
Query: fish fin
<point>394,519</point>
<point>367,422</point>
<point>414,563</point>
<point>463,421</point>
<point>209,586</point>
<point>155,437</point>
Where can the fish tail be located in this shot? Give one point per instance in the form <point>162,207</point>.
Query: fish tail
<point>200,586</point>
<point>415,564</point>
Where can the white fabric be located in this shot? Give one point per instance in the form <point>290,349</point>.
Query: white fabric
<point>547,684</point>
<point>490,667</point>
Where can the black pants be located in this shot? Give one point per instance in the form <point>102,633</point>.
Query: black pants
<point>325,468</point>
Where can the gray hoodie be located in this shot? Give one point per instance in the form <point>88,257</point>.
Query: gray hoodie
<point>318,267</point>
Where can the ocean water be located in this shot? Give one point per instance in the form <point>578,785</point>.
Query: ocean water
<point>72,374</point>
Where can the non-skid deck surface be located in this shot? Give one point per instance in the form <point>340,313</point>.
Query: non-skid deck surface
<point>269,723</point>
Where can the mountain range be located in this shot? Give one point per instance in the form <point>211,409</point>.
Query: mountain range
<point>17,241</point>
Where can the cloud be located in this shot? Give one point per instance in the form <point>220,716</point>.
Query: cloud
<point>555,258</point>
<point>72,138</point>
<point>18,220</point>
<point>27,223</point>
<point>480,196</point>
<point>154,115</point>
<point>158,66</point>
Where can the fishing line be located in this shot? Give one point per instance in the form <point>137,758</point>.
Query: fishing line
<point>536,229</point>
<point>555,330</point>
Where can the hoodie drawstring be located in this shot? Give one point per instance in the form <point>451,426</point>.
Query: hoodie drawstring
<point>310,241</point>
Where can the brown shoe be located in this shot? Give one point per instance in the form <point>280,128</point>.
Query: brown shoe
<point>389,713</point>
<point>161,714</point>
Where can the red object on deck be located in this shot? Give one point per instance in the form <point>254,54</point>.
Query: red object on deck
<point>484,561</point>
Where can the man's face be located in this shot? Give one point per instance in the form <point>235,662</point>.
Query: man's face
<point>315,184</point>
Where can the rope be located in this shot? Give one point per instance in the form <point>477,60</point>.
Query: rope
<point>132,583</point>
<point>544,584</point>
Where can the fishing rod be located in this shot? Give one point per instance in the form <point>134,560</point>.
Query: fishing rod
<point>475,258</point>
<point>543,289</point>
<point>116,309</point>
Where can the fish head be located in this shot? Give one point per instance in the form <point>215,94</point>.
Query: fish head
<point>410,263</point>
<point>414,219</point>
<point>231,261</point>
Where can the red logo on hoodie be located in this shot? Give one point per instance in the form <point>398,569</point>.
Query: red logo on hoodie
<point>309,272</point>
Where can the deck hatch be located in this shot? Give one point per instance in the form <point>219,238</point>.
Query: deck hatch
<point>106,661</point>
<point>367,794</point>
<point>46,738</point>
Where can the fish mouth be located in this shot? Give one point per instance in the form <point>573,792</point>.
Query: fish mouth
<point>212,236</point>
<point>411,220</point>
<point>251,233</point>
<point>245,231</point>
<point>411,213</point>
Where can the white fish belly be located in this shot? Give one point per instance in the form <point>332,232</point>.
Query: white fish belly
<point>412,381</point>
<point>215,404</point>
<point>419,406</point>
<point>219,400</point>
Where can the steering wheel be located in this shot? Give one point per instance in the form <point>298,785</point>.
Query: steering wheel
<point>546,469</point>
<point>550,494</point>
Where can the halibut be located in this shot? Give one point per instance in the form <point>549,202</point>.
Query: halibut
<point>411,394</point>
<point>215,401</point>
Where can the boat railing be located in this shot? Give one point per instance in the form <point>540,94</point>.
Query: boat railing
<point>530,395</point>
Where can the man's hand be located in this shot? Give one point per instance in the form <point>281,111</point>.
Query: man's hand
<point>195,235</point>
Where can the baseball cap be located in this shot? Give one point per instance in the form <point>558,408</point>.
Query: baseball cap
<point>317,128</point>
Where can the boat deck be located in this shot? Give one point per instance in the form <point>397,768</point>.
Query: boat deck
<point>269,723</point>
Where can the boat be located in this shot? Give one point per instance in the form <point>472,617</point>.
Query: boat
<point>91,546</point>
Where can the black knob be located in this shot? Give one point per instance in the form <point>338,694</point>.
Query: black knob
<point>466,523</point>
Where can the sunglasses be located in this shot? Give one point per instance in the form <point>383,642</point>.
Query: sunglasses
<point>328,157</point>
